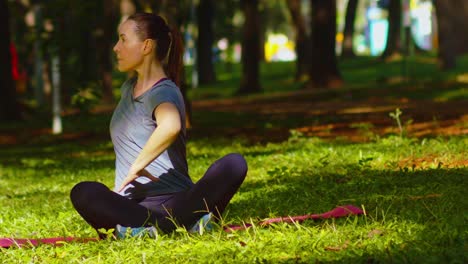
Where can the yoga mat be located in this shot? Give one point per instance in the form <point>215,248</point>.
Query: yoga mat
<point>33,242</point>
<point>340,211</point>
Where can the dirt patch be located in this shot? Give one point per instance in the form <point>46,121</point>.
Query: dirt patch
<point>347,119</point>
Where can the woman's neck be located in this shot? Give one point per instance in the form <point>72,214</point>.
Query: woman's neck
<point>147,76</point>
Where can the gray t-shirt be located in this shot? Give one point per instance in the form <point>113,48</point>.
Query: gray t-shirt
<point>131,126</point>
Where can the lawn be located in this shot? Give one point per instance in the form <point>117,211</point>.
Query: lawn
<point>411,186</point>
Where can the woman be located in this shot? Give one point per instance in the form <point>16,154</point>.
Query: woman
<point>152,185</point>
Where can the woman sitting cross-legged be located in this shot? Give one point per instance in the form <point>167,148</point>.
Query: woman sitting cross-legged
<point>152,185</point>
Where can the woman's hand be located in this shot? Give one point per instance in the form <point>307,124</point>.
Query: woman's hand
<point>133,175</point>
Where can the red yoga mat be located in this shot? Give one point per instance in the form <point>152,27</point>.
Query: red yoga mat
<point>340,211</point>
<point>32,242</point>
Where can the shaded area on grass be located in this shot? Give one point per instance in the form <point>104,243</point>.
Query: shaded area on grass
<point>352,120</point>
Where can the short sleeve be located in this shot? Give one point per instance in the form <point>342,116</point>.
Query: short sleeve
<point>163,93</point>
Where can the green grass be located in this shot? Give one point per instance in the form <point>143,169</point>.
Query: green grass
<point>411,189</point>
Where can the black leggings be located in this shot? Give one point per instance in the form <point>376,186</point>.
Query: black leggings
<point>103,208</point>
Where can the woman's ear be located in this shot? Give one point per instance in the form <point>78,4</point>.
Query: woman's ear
<point>149,45</point>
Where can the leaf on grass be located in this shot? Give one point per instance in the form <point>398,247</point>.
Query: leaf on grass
<point>432,195</point>
<point>338,248</point>
<point>342,180</point>
<point>375,232</point>
<point>294,259</point>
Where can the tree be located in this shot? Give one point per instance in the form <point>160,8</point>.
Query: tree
<point>39,53</point>
<point>350,18</point>
<point>86,55</point>
<point>9,109</point>
<point>205,67</point>
<point>78,36</point>
<point>451,28</point>
<point>301,39</point>
<point>393,46</point>
<point>323,63</point>
<point>104,43</point>
<point>250,59</point>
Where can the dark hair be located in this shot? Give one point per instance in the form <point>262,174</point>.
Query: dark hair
<point>168,41</point>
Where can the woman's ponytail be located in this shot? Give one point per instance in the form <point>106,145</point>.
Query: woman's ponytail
<point>174,60</point>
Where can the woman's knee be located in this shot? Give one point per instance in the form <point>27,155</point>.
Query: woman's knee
<point>237,164</point>
<point>84,193</point>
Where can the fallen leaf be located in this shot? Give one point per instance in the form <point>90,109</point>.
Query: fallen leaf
<point>433,195</point>
<point>338,248</point>
<point>375,232</point>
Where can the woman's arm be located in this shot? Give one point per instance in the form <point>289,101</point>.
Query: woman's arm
<point>164,135</point>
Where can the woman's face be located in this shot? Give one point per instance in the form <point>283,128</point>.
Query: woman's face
<point>129,48</point>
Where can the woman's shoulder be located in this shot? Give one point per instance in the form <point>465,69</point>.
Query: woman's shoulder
<point>166,86</point>
<point>165,83</point>
<point>164,92</point>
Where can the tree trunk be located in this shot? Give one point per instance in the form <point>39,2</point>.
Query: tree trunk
<point>38,56</point>
<point>104,44</point>
<point>250,81</point>
<point>393,46</point>
<point>9,109</point>
<point>324,69</point>
<point>298,21</point>
<point>446,12</point>
<point>461,25</point>
<point>348,51</point>
<point>205,15</point>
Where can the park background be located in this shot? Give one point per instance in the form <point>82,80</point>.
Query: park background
<point>332,102</point>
